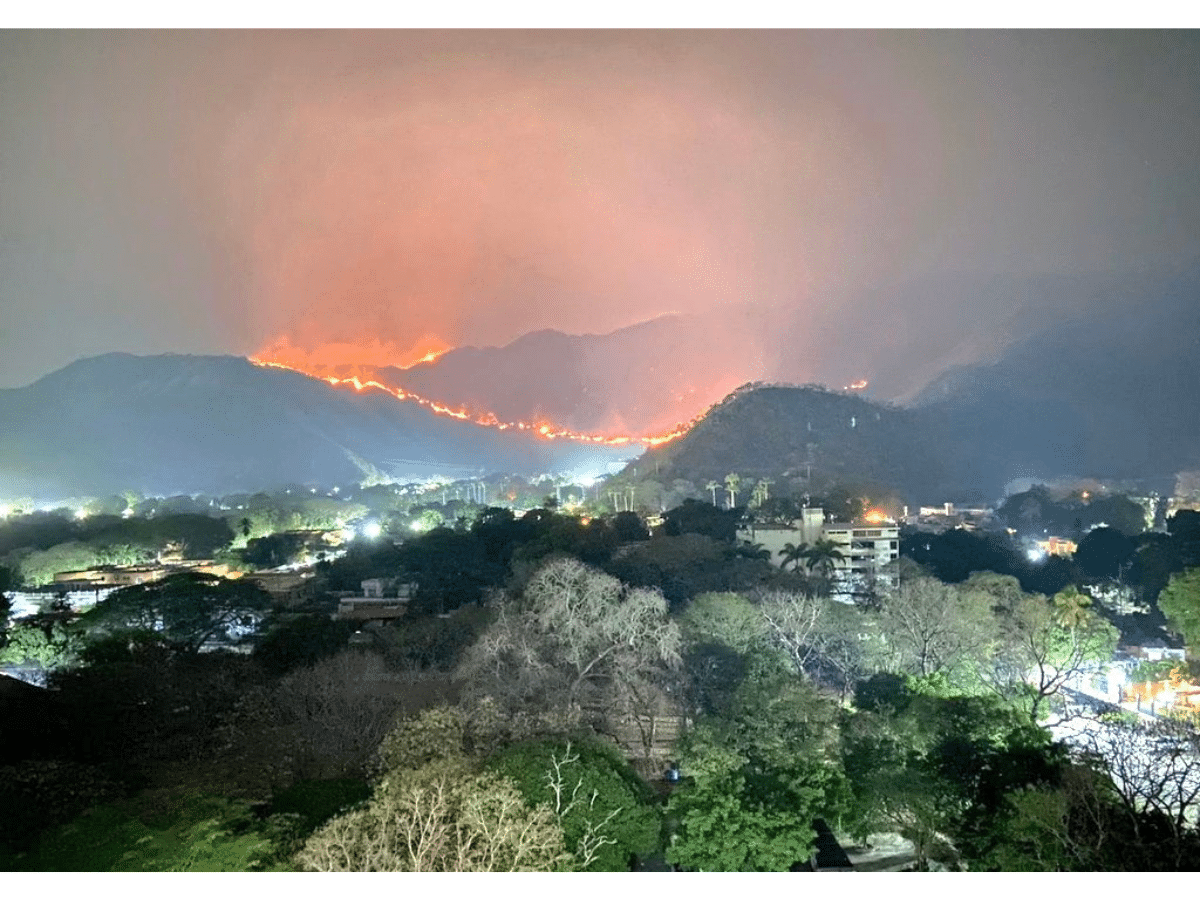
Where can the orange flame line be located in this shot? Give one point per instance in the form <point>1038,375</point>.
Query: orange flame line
<point>488,419</point>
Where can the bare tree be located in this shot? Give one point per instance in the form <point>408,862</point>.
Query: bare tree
<point>1154,768</point>
<point>933,627</point>
<point>323,721</point>
<point>440,818</point>
<point>792,619</point>
<point>572,636</point>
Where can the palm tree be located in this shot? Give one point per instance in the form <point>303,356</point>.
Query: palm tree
<point>794,554</point>
<point>823,555</point>
<point>713,486</point>
<point>732,482</point>
<point>765,484</point>
<point>1071,607</point>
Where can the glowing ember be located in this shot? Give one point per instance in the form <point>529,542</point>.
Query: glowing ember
<point>486,419</point>
<point>857,385</point>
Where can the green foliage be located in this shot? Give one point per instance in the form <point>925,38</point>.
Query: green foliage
<point>187,609</point>
<point>938,768</point>
<point>159,833</point>
<point>683,567</point>
<point>273,550</point>
<point>757,775</point>
<point>1180,603</point>
<point>734,817</point>
<point>607,813</point>
<point>1037,510</point>
<point>695,517</point>
<point>429,736</point>
<point>724,618</point>
<point>40,566</point>
<point>1158,670</point>
<point>430,642</point>
<point>44,640</point>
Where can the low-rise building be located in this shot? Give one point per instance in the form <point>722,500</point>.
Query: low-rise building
<point>373,605</point>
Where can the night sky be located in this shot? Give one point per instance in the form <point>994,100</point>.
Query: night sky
<point>378,194</point>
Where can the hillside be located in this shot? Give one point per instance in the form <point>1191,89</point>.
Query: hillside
<point>639,380</point>
<point>789,432</point>
<point>186,424</point>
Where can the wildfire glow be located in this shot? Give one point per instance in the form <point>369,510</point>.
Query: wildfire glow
<point>876,516</point>
<point>859,385</point>
<point>331,358</point>
<point>543,430</point>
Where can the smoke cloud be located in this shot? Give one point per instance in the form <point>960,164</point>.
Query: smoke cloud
<point>835,205</point>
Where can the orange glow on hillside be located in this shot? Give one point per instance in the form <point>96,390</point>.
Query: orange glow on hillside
<point>859,385</point>
<point>545,430</point>
<point>336,357</point>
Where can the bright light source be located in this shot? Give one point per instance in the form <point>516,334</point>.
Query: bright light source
<point>81,514</point>
<point>349,534</point>
<point>1035,554</point>
<point>372,530</point>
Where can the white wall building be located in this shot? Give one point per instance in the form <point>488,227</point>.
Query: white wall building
<point>867,547</point>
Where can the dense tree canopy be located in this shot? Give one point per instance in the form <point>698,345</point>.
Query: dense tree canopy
<point>187,610</point>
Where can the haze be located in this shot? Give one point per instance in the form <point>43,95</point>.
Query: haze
<point>835,205</point>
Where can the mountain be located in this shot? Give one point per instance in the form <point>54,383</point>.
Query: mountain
<point>219,424</point>
<point>640,380</point>
<point>1111,392</point>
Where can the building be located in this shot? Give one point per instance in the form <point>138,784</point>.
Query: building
<point>373,606</point>
<point>866,546</point>
<point>287,587</point>
<point>949,515</point>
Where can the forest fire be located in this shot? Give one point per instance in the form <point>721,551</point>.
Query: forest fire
<point>544,430</point>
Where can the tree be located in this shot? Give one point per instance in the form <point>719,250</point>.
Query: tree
<point>1039,655</point>
<point>792,620</point>
<point>1103,552</point>
<point>756,777</point>
<point>932,627</point>
<point>182,834</point>
<point>571,637</point>
<point>1180,603</point>
<point>732,820</point>
<point>442,817</point>
<point>322,721</point>
<point>1153,773</point>
<point>823,556</point>
<point>713,486</point>
<point>188,609</point>
<point>6,583</point>
<point>608,815</point>
<point>794,554</point>
<point>733,481</point>
<point>695,517</point>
